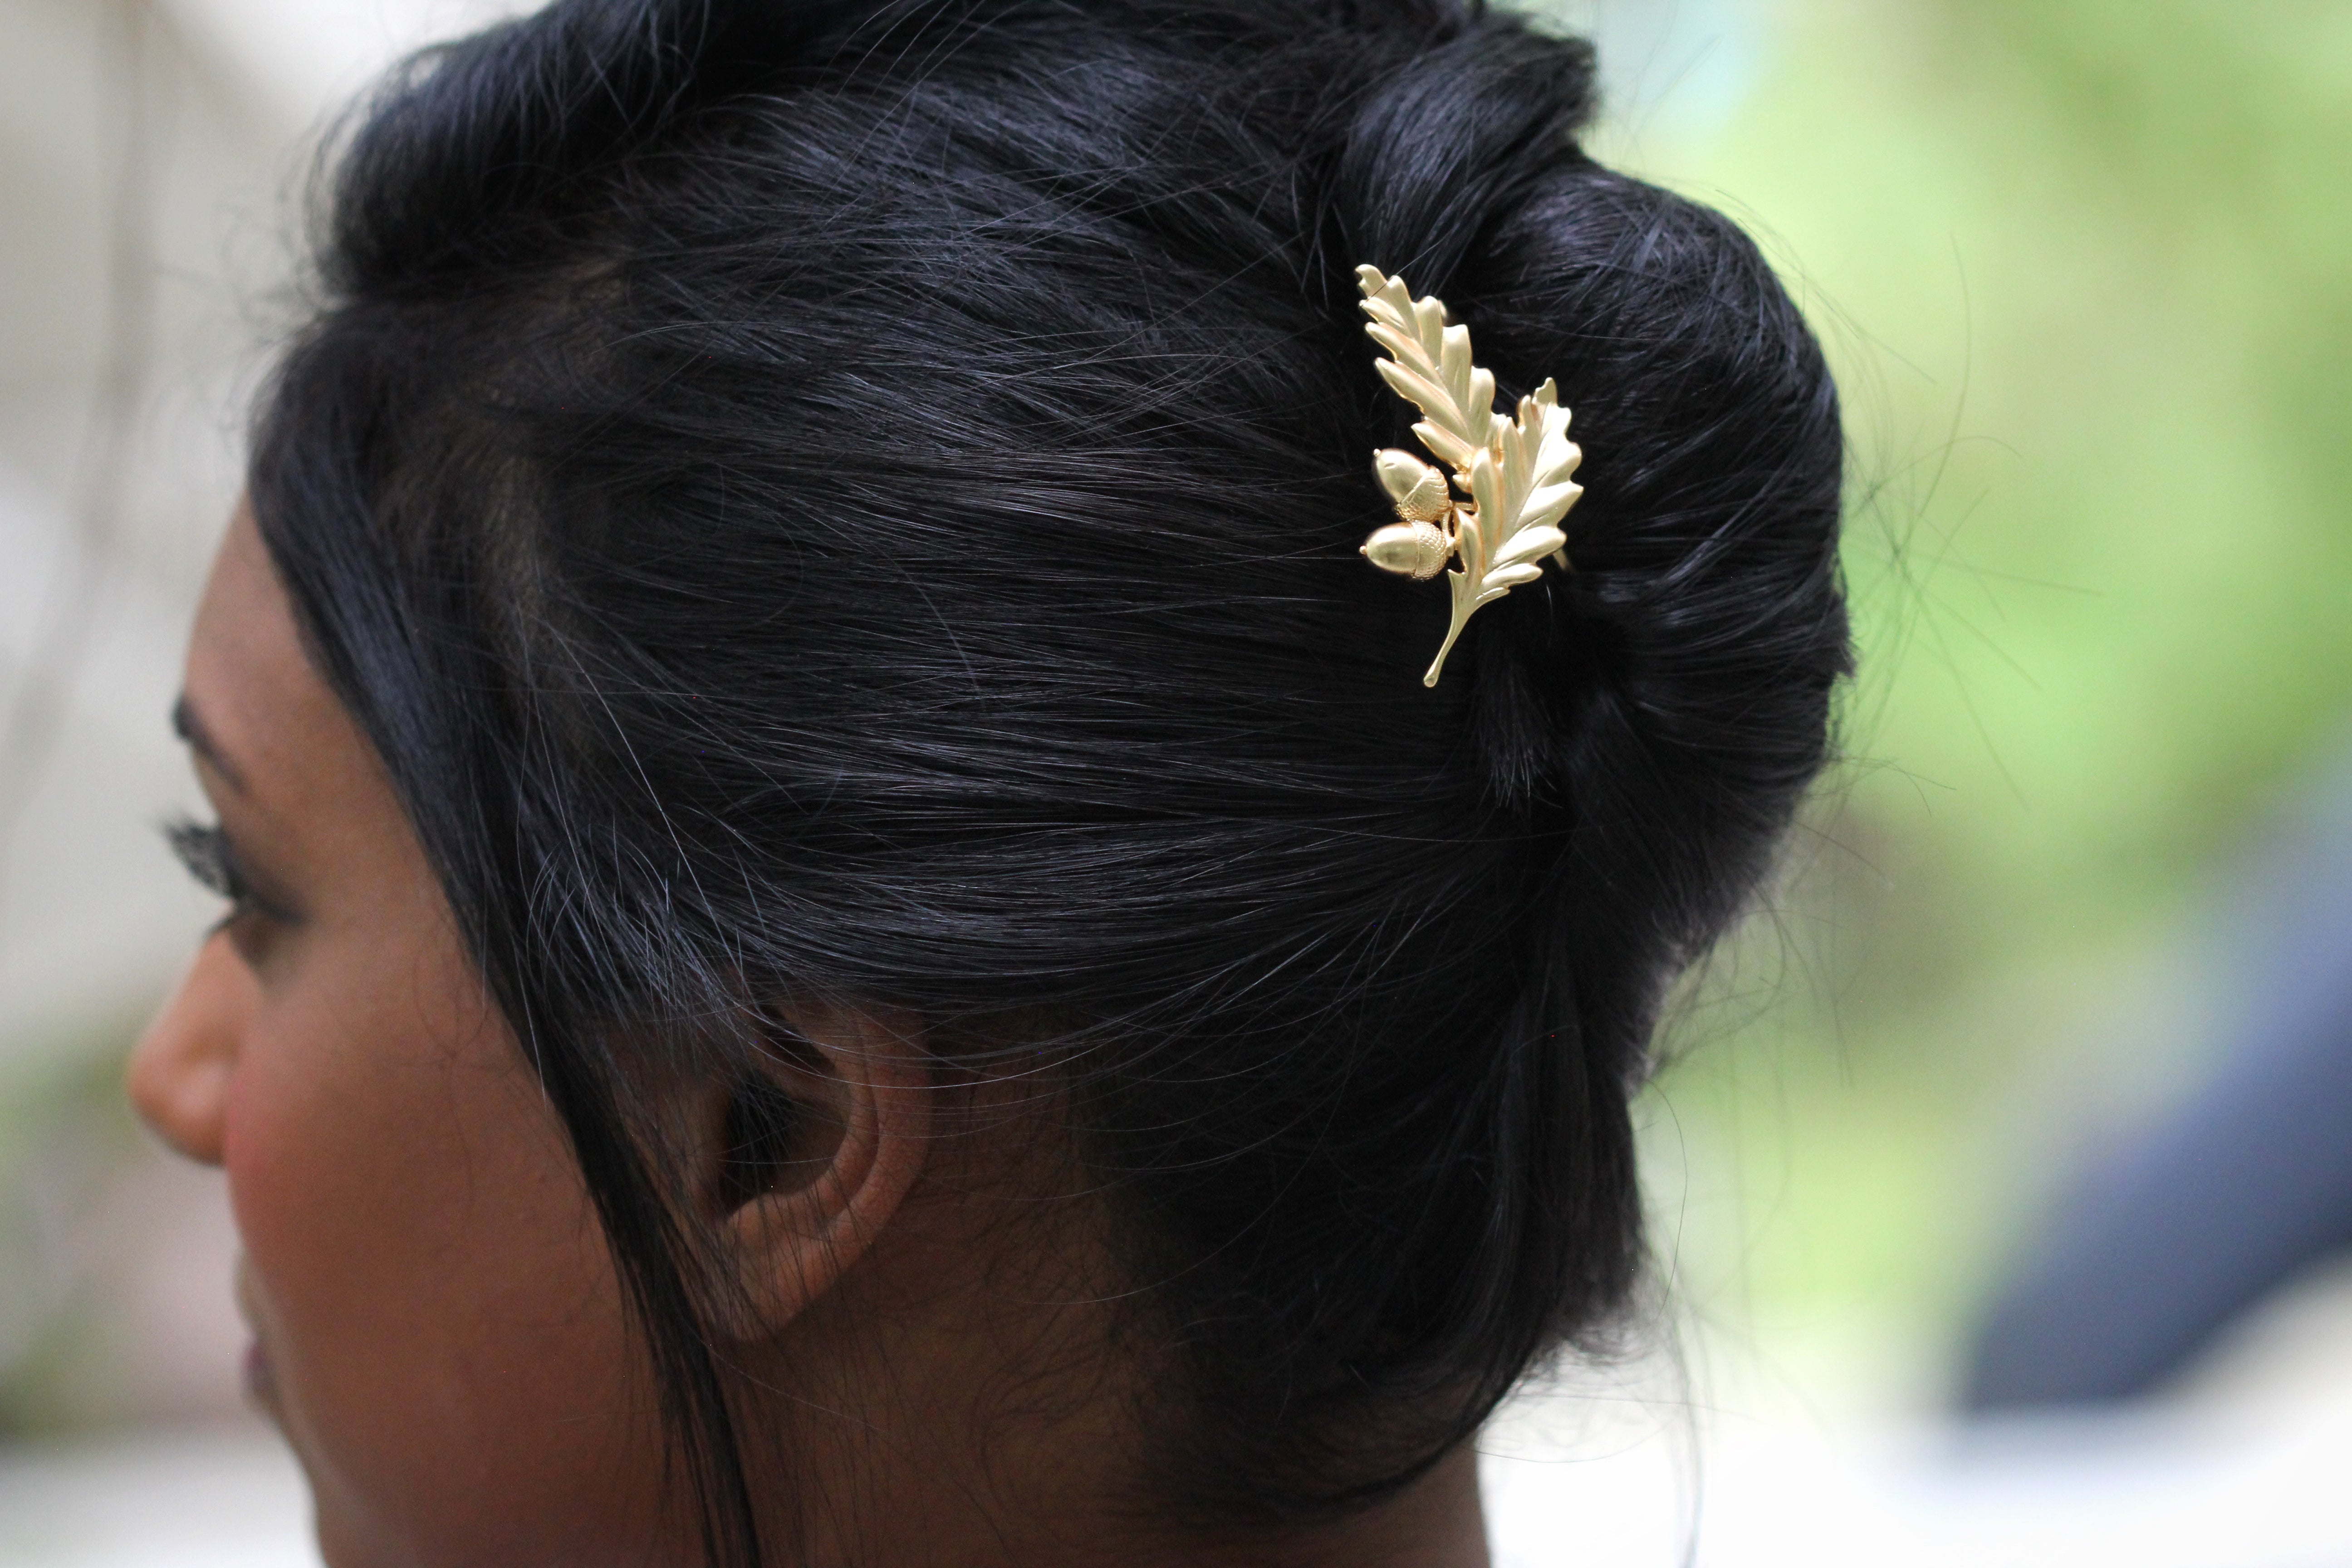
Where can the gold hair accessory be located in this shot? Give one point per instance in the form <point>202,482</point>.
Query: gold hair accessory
<point>1515,470</point>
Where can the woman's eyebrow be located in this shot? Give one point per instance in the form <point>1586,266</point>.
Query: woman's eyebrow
<point>190,727</point>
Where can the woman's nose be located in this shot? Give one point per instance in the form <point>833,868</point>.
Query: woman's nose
<point>180,1069</point>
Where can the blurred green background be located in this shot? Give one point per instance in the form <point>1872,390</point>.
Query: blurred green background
<point>2085,269</point>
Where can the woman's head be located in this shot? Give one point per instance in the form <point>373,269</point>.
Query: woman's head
<point>835,526</point>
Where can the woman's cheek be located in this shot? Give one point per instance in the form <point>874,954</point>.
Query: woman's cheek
<point>340,1366</point>
<point>441,1324</point>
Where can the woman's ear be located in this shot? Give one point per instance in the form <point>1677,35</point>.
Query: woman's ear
<point>807,1153</point>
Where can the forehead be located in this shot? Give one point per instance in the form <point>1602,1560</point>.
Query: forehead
<point>278,729</point>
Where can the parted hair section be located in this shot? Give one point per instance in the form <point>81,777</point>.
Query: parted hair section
<point>863,499</point>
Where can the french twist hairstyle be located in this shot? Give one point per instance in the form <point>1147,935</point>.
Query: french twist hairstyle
<point>862,499</point>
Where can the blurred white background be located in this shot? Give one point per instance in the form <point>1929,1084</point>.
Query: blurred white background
<point>151,156</point>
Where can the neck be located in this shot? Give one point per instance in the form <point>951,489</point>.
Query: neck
<point>981,1409</point>
<point>1435,1523</point>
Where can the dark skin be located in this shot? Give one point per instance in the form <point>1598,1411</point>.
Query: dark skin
<point>439,1329</point>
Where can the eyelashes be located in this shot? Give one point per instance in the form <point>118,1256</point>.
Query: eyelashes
<point>206,852</point>
<point>203,850</point>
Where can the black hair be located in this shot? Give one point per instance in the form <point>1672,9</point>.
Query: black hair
<point>861,500</point>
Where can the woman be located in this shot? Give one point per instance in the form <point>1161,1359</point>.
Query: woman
<point>853,936</point>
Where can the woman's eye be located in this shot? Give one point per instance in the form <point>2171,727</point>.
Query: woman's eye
<point>204,848</point>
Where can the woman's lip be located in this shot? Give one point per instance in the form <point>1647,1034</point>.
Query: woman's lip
<point>259,1377</point>
<point>260,1383</point>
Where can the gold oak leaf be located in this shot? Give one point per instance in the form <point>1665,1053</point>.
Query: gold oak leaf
<point>1519,470</point>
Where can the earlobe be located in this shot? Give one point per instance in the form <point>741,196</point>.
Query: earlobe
<point>816,1156</point>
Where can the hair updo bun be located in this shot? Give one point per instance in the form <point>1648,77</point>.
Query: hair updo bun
<point>863,498</point>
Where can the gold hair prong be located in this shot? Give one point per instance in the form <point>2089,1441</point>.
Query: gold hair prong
<point>1516,470</point>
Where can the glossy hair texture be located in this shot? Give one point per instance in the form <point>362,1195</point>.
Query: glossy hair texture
<point>861,500</point>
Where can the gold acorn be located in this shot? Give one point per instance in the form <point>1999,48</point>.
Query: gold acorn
<point>1419,490</point>
<point>1416,549</point>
